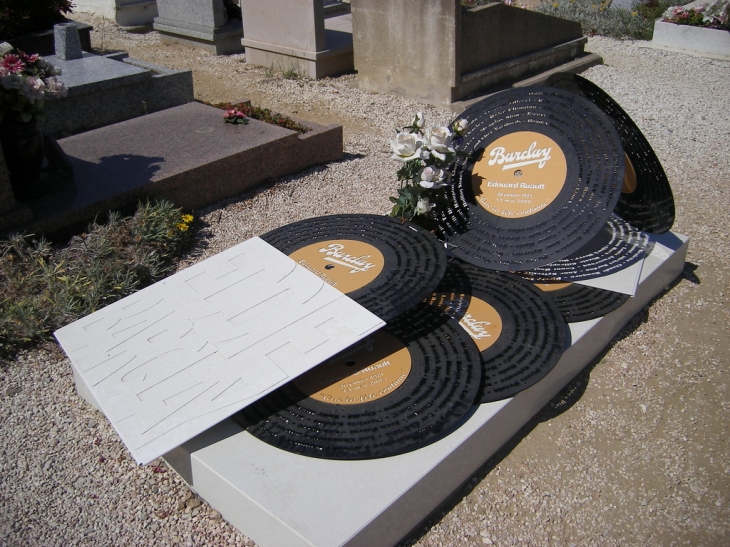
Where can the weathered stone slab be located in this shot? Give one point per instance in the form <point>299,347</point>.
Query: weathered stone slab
<point>105,90</point>
<point>438,52</point>
<point>185,154</point>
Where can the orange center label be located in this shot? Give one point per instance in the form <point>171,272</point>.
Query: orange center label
<point>480,320</point>
<point>547,287</point>
<point>519,174</point>
<point>630,181</point>
<point>370,370</point>
<point>345,264</point>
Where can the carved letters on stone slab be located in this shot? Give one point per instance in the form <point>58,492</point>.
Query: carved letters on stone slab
<point>174,359</point>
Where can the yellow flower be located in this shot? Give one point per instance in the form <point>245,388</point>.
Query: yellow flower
<point>182,227</point>
<point>555,5</point>
<point>187,218</point>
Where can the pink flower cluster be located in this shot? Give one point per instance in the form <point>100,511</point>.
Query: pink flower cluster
<point>25,82</point>
<point>234,116</point>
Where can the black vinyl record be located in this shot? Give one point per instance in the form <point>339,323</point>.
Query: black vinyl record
<point>520,333</point>
<point>543,175</point>
<point>385,265</point>
<point>646,199</point>
<point>404,387</point>
<point>617,246</point>
<point>582,303</point>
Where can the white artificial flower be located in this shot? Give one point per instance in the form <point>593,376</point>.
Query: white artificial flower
<point>438,141</point>
<point>418,120</point>
<point>423,206</point>
<point>55,88</point>
<point>434,178</point>
<point>33,89</point>
<point>461,125</point>
<point>406,146</point>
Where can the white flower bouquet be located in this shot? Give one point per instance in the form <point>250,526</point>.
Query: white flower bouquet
<point>26,82</point>
<point>427,156</point>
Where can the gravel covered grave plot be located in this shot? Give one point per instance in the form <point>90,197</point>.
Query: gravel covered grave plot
<point>636,454</point>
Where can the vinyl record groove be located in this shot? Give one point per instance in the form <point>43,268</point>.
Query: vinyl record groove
<point>520,333</point>
<point>544,174</point>
<point>385,265</point>
<point>582,303</point>
<point>408,385</point>
<point>617,246</point>
<point>646,200</point>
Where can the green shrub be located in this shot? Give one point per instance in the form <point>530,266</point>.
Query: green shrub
<point>264,115</point>
<point>18,17</point>
<point>43,288</point>
<point>599,18</point>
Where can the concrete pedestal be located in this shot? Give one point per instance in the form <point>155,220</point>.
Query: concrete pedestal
<point>125,13</point>
<point>199,23</point>
<point>293,35</point>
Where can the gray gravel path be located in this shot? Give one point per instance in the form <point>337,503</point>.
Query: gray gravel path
<point>636,454</point>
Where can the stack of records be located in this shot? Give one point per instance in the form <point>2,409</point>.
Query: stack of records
<point>554,187</point>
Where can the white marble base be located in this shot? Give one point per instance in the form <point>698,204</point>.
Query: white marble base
<point>280,499</point>
<point>702,42</point>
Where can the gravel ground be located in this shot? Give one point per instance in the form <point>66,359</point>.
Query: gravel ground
<point>633,452</point>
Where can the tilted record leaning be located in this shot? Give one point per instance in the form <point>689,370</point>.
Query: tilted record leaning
<point>646,199</point>
<point>615,247</point>
<point>519,332</point>
<point>582,303</point>
<point>406,386</point>
<point>385,265</point>
<point>543,174</point>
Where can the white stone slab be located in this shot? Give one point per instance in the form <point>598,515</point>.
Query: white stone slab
<point>176,358</point>
<point>625,281</point>
<point>698,41</point>
<point>284,500</point>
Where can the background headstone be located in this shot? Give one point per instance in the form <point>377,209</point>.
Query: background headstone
<point>199,23</point>
<point>125,13</point>
<point>298,35</point>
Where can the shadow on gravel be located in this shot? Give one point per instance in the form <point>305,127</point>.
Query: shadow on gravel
<point>559,404</point>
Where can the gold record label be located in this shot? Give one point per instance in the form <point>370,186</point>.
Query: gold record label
<point>519,174</point>
<point>630,181</point>
<point>371,370</point>
<point>345,264</point>
<point>481,321</point>
<point>548,287</point>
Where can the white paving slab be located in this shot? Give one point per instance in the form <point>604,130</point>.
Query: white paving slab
<point>178,357</point>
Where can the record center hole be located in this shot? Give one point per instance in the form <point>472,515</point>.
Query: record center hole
<point>350,363</point>
<point>518,173</point>
<point>329,266</point>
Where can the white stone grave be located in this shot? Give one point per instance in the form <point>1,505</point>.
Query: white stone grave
<point>281,499</point>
